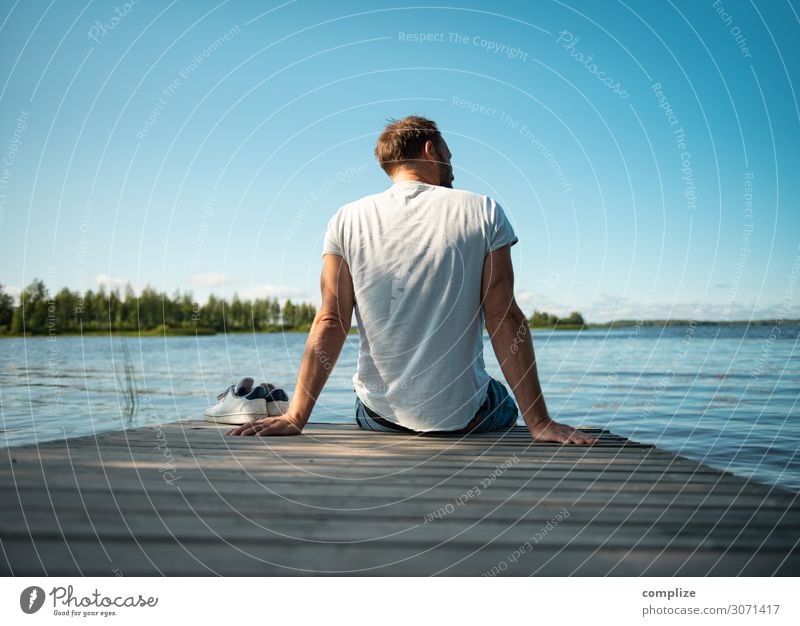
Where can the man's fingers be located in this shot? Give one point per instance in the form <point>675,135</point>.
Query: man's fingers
<point>262,426</point>
<point>563,434</point>
<point>264,430</point>
<point>279,427</point>
<point>267,426</point>
<point>246,429</point>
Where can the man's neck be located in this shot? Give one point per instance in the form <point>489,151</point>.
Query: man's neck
<point>410,175</point>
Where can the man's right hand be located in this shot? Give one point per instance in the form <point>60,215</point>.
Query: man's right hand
<point>549,430</point>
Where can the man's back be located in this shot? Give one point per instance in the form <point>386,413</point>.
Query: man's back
<point>416,255</point>
<point>422,266</point>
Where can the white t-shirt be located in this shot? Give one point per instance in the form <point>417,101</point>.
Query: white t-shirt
<point>416,254</point>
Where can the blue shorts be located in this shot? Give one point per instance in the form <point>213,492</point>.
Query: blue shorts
<point>498,412</point>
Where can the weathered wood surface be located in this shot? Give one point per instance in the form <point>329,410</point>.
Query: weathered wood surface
<point>183,499</point>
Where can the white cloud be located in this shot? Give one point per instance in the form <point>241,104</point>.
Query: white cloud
<point>530,301</point>
<point>12,291</point>
<point>608,307</point>
<point>224,286</point>
<point>110,282</point>
<point>605,307</point>
<point>272,291</point>
<point>211,279</point>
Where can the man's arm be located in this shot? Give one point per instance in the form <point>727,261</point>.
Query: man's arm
<point>513,346</point>
<point>323,346</point>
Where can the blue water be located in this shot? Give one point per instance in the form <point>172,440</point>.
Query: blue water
<point>724,396</point>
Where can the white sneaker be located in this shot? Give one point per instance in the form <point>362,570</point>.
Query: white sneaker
<point>244,403</point>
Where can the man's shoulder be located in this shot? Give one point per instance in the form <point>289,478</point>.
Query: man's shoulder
<point>444,195</point>
<point>463,201</point>
<point>462,195</point>
<point>366,200</point>
<point>360,203</point>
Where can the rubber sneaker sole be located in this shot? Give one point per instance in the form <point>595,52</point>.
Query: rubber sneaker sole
<point>275,408</point>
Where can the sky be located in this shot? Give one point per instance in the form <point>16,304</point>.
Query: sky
<point>646,153</point>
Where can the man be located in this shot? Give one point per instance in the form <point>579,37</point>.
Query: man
<point>425,267</point>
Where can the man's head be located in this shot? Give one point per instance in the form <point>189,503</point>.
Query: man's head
<point>413,149</point>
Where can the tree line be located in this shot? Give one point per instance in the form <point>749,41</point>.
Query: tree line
<point>40,312</point>
<point>67,311</point>
<point>547,320</point>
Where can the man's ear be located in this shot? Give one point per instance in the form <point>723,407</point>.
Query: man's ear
<point>430,151</point>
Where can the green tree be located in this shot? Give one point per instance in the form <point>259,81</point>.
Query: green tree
<point>237,316</point>
<point>6,310</point>
<point>303,314</point>
<point>574,318</point>
<point>31,314</point>
<point>185,309</point>
<point>85,312</point>
<point>130,309</point>
<point>150,309</point>
<point>211,313</point>
<point>543,320</point>
<point>260,313</point>
<point>275,312</point>
<point>115,309</point>
<point>65,310</point>
<point>289,315</point>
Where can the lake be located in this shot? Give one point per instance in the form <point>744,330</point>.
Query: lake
<point>725,396</point>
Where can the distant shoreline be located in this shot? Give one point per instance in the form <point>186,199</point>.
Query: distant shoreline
<point>159,332</point>
<point>629,323</point>
<point>205,332</point>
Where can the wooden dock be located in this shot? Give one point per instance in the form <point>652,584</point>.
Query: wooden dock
<point>184,499</point>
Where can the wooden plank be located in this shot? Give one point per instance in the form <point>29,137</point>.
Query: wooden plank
<point>524,470</point>
<point>301,483</point>
<point>409,455</point>
<point>340,499</point>
<point>54,558</point>
<point>444,494</point>
<point>342,529</point>
<point>208,504</point>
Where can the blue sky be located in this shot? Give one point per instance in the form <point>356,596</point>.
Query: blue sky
<point>203,146</point>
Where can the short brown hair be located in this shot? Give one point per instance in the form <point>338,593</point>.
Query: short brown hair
<point>404,140</point>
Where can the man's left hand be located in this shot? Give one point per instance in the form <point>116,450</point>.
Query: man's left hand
<point>268,427</point>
